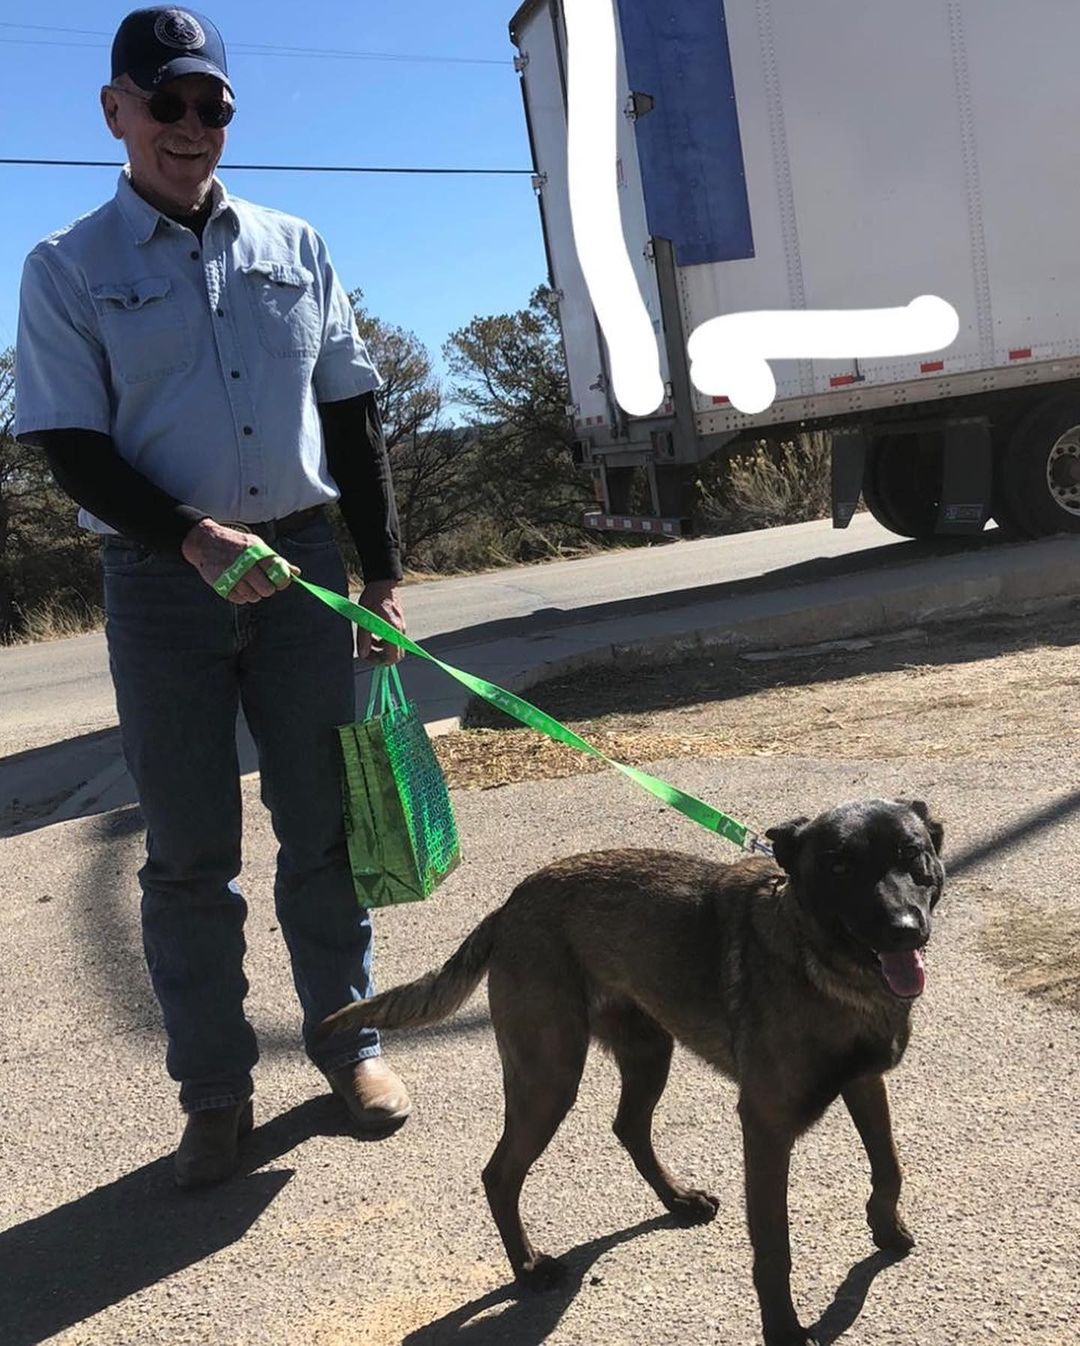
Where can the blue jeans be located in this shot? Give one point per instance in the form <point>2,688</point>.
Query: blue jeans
<point>183,660</point>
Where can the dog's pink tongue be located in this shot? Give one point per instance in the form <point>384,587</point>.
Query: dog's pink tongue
<point>904,972</point>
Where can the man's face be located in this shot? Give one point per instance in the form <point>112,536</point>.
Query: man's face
<point>172,165</point>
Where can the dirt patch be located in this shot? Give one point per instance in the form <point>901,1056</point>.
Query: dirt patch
<point>979,689</point>
<point>1038,949</point>
<point>481,759</point>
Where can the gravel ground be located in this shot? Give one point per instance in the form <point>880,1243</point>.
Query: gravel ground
<point>326,1241</point>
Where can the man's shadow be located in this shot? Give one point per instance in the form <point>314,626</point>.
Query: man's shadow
<point>63,1267</point>
<point>529,1318</point>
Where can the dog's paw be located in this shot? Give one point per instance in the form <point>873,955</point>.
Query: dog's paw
<point>894,1239</point>
<point>794,1336</point>
<point>542,1273</point>
<point>889,1232</point>
<point>691,1207</point>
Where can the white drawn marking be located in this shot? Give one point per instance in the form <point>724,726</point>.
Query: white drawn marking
<point>594,207</point>
<point>729,354</point>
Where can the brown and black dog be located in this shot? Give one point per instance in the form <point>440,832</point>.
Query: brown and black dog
<point>796,980</point>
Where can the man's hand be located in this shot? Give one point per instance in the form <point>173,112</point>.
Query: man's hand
<point>212,548</point>
<point>380,597</point>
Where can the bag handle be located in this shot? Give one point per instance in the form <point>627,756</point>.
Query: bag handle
<point>387,689</point>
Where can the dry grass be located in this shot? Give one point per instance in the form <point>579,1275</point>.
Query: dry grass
<point>770,485</point>
<point>58,618</point>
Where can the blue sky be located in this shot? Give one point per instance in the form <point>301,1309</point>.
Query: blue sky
<point>430,253</point>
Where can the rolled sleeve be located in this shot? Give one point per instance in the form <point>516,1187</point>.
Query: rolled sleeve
<point>344,368</point>
<point>61,373</point>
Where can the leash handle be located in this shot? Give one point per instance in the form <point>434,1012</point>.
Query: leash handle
<point>247,560</point>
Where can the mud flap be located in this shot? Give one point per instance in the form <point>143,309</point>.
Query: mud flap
<point>968,477</point>
<point>848,463</point>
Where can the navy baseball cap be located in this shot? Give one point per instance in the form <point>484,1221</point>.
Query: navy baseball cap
<point>156,45</point>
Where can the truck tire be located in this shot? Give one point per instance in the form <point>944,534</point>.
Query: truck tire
<point>1039,471</point>
<point>902,484</point>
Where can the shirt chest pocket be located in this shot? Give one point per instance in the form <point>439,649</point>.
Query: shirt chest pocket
<point>286,311</point>
<point>145,328</point>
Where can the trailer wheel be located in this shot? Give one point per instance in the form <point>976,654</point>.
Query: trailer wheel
<point>902,483</point>
<point>1040,470</point>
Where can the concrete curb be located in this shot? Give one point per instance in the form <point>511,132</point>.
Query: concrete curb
<point>1040,575</point>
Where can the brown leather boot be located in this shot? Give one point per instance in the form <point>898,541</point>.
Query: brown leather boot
<point>377,1100</point>
<point>207,1152</point>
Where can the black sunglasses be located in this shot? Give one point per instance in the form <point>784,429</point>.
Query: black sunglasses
<point>215,113</point>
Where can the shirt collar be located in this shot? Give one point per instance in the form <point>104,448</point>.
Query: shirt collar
<point>143,218</point>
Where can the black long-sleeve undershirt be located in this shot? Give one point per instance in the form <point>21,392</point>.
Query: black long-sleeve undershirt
<point>88,468</point>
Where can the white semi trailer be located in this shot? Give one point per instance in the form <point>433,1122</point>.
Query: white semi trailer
<point>834,154</point>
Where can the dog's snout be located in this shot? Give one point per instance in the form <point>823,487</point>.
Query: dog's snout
<point>908,929</point>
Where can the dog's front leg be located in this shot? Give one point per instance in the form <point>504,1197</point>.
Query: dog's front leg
<point>868,1102</point>
<point>767,1154</point>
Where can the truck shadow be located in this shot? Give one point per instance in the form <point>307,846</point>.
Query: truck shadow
<point>711,675</point>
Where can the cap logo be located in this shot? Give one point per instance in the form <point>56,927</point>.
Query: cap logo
<point>175,28</point>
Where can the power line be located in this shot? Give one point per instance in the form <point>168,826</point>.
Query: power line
<point>247,48</point>
<point>280,168</point>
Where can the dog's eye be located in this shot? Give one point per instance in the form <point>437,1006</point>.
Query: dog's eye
<point>910,853</point>
<point>839,867</point>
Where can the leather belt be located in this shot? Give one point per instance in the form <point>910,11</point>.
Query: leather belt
<point>288,524</point>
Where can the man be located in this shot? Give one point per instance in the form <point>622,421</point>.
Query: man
<point>191,366</point>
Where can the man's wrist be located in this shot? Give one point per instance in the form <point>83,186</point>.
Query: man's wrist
<point>203,528</point>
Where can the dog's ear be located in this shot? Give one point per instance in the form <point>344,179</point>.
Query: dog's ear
<point>785,842</point>
<point>920,808</point>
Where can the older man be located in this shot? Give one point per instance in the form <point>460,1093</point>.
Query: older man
<point>191,366</point>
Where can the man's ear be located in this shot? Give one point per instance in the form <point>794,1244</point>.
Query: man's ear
<point>921,809</point>
<point>785,842</point>
<point>109,106</point>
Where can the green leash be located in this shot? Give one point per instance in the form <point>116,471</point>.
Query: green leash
<point>530,715</point>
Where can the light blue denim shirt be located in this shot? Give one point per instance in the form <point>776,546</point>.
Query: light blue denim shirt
<point>205,363</point>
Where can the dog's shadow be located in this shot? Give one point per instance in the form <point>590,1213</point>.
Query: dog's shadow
<point>850,1297</point>
<point>530,1318</point>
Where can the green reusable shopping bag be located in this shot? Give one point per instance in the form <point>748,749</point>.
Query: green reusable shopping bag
<point>399,821</point>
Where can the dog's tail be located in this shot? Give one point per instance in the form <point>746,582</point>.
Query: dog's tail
<point>428,999</point>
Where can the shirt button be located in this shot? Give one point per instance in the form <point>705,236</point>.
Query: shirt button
<point>235,373</point>
<point>220,312</point>
<point>195,255</point>
<point>248,430</point>
<point>253,490</point>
